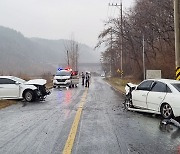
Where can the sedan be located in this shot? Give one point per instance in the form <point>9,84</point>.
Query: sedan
<point>161,96</point>
<point>12,87</point>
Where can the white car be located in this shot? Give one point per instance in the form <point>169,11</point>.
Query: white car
<point>160,96</point>
<point>12,87</point>
<point>65,78</point>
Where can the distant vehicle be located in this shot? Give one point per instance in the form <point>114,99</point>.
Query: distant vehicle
<point>102,75</point>
<point>12,87</point>
<point>160,96</point>
<point>66,78</point>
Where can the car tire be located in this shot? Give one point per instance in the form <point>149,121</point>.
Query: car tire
<point>166,111</point>
<point>29,96</point>
<point>128,104</point>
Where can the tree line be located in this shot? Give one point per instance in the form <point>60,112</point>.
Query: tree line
<point>152,20</point>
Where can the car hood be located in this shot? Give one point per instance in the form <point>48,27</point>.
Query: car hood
<point>62,77</point>
<point>36,82</point>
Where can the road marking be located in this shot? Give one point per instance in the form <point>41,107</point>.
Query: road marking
<point>70,141</point>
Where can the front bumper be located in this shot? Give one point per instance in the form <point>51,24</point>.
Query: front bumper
<point>66,83</point>
<point>41,93</point>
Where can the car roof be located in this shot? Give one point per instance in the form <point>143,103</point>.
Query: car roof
<point>62,71</point>
<point>9,77</point>
<point>167,81</point>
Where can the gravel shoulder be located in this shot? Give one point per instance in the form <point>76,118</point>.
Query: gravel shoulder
<point>119,84</point>
<point>6,103</point>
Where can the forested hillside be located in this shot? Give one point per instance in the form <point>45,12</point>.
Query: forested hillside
<point>152,20</point>
<point>19,54</point>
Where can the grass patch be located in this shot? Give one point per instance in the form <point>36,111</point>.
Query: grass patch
<point>6,103</point>
<point>119,83</point>
<point>49,85</point>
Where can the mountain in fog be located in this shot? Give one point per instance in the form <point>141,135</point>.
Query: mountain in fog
<point>57,47</point>
<point>35,55</point>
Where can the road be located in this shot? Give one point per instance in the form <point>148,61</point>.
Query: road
<point>104,127</point>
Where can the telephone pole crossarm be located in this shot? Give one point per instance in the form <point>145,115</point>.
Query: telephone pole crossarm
<point>111,4</point>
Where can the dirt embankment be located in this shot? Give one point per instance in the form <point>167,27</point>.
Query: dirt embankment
<point>6,103</point>
<point>119,83</point>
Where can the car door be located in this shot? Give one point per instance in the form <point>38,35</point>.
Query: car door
<point>139,95</point>
<point>8,88</point>
<point>157,95</point>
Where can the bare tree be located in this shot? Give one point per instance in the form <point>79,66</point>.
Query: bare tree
<point>72,53</point>
<point>152,19</point>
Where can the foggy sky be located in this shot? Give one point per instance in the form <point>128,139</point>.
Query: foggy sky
<point>59,19</point>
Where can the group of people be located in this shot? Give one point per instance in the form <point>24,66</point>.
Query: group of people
<point>85,78</point>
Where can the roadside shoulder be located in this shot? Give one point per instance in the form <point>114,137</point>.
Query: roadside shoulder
<point>118,84</point>
<point>6,103</point>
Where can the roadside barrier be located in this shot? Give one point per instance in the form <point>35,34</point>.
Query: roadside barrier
<point>177,73</point>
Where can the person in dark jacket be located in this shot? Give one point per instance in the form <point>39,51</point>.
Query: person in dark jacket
<point>87,79</point>
<point>83,77</point>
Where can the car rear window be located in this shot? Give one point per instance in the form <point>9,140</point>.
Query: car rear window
<point>177,86</point>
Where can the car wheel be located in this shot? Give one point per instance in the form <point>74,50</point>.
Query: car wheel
<point>128,104</point>
<point>29,96</point>
<point>166,111</point>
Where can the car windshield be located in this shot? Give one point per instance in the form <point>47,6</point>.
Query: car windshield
<point>63,73</point>
<point>19,80</point>
<point>177,86</point>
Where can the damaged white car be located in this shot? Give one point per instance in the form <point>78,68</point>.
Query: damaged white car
<point>159,96</point>
<point>12,87</point>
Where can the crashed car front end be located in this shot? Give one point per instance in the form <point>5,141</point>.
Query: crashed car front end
<point>41,92</point>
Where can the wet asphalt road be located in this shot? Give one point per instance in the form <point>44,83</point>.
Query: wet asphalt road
<point>104,128</point>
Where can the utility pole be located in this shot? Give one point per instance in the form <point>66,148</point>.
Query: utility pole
<point>121,41</point>
<point>177,38</point>
<point>144,71</point>
<point>77,48</point>
<point>68,57</point>
<point>111,54</point>
<point>121,31</point>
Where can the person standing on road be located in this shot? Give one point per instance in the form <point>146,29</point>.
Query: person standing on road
<point>87,79</point>
<point>83,77</point>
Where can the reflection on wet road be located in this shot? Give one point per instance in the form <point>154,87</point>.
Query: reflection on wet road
<point>104,126</point>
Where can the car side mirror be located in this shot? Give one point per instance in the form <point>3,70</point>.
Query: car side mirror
<point>133,88</point>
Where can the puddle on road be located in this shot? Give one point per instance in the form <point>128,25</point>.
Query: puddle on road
<point>64,96</point>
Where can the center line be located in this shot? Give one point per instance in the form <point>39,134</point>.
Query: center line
<point>70,141</point>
